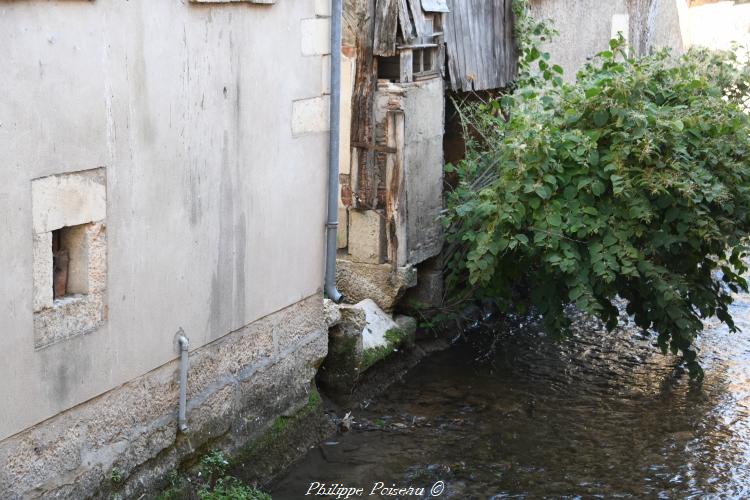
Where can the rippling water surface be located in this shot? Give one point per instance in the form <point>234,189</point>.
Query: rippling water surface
<point>598,415</point>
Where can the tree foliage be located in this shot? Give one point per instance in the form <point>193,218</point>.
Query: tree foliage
<point>631,183</point>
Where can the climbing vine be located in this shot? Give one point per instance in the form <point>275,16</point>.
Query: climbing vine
<point>630,185</point>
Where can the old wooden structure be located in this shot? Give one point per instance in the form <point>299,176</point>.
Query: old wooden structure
<point>406,53</point>
<point>479,36</point>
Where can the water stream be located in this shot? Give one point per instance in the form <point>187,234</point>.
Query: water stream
<point>597,415</point>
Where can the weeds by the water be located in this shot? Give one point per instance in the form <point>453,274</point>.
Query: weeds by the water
<point>211,483</point>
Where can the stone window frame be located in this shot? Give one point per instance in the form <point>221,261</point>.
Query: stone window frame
<point>75,203</point>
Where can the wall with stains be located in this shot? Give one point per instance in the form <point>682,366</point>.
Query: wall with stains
<point>586,26</point>
<point>215,206</point>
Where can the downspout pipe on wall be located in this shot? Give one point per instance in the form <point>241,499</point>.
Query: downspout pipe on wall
<point>184,343</point>
<point>333,154</point>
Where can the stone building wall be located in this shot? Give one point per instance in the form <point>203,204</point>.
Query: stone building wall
<point>586,26</point>
<point>163,168</point>
<point>237,386</point>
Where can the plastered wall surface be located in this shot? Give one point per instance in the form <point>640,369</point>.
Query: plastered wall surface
<point>586,26</point>
<point>718,25</point>
<point>215,209</point>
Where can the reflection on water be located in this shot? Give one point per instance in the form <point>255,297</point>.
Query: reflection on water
<point>598,415</point>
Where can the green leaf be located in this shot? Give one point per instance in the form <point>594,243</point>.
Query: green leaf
<point>533,55</point>
<point>598,188</point>
<point>592,92</point>
<point>618,183</point>
<point>601,118</point>
<point>543,191</point>
<point>554,220</point>
<point>590,210</point>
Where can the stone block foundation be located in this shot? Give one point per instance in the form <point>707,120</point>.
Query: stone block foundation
<point>237,386</point>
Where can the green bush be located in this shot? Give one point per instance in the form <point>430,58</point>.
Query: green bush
<point>230,488</point>
<point>213,465</point>
<point>632,182</point>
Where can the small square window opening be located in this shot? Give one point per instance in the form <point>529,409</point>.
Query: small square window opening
<point>70,261</point>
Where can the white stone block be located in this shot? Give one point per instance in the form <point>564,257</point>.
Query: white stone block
<point>42,271</point>
<point>323,8</point>
<point>82,309</point>
<point>315,36</point>
<point>96,241</point>
<point>621,24</point>
<point>342,235</point>
<point>310,115</point>
<point>325,76</point>
<point>87,269</point>
<point>75,241</point>
<point>378,324</point>
<point>68,200</point>
<point>348,65</point>
<point>348,69</point>
<point>367,242</point>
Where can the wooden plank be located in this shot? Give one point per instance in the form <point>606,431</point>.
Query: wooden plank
<point>373,147</point>
<point>418,46</point>
<point>407,27</point>
<point>386,27</point>
<point>420,23</point>
<point>498,42</point>
<point>470,22</point>
<point>511,47</point>
<point>450,40</point>
<point>467,44</point>
<point>487,59</point>
<point>407,74</point>
<point>395,203</point>
<point>481,46</point>
<point>364,177</point>
<point>435,6</point>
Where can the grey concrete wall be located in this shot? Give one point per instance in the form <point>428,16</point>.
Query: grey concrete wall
<point>586,26</point>
<point>717,25</point>
<point>655,24</point>
<point>210,121</point>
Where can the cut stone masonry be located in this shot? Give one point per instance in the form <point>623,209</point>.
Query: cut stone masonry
<point>70,295</point>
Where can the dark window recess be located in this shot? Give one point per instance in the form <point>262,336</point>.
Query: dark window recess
<point>70,261</point>
<point>423,65</point>
<point>60,260</point>
<point>423,61</point>
<point>389,68</point>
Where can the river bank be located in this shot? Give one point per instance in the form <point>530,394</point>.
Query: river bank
<point>598,414</point>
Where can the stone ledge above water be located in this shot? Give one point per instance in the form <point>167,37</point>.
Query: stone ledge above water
<point>364,336</point>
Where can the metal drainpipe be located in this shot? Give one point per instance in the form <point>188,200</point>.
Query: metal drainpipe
<point>333,154</point>
<point>184,355</point>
